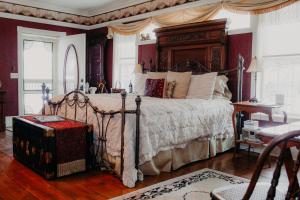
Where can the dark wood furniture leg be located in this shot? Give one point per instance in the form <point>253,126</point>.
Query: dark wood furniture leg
<point>289,163</point>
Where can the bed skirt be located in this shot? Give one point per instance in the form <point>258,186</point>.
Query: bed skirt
<point>196,150</point>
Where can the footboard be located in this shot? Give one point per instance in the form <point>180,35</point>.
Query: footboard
<point>76,100</point>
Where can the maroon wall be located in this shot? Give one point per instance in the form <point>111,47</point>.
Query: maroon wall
<point>240,43</point>
<point>146,53</point>
<point>9,56</point>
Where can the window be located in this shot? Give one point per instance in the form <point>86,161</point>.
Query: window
<point>279,56</point>
<point>124,60</point>
<point>235,20</point>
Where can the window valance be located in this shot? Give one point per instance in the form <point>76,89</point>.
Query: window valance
<point>198,14</point>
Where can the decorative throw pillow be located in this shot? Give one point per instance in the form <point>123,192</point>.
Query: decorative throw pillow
<point>139,83</point>
<point>158,75</point>
<point>221,88</point>
<point>170,89</point>
<point>182,83</point>
<point>202,86</point>
<point>154,87</point>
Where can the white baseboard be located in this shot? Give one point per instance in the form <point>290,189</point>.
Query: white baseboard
<point>8,121</point>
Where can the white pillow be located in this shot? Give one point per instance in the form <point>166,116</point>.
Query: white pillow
<point>139,83</point>
<point>202,86</point>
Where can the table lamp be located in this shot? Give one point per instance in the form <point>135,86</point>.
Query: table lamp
<point>138,68</point>
<point>254,68</point>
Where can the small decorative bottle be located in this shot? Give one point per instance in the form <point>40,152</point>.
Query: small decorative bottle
<point>81,85</point>
<point>130,87</point>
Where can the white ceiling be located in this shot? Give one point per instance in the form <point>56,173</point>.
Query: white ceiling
<point>80,7</point>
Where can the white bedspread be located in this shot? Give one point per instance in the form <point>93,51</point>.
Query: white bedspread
<point>165,124</point>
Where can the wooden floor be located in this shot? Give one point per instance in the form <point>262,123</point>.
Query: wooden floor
<point>19,182</point>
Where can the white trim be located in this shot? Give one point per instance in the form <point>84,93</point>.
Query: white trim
<point>8,121</point>
<point>43,21</point>
<point>145,42</point>
<point>240,31</point>
<point>40,32</point>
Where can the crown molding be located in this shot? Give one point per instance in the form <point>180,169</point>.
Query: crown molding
<point>139,11</point>
<point>115,5</point>
<point>43,21</point>
<point>47,6</point>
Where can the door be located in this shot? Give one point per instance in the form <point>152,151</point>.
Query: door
<point>38,66</point>
<point>68,55</point>
<point>41,58</point>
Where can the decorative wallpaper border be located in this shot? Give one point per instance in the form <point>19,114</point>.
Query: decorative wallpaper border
<point>134,10</point>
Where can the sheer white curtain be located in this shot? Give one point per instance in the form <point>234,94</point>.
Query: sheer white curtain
<point>278,51</point>
<point>124,60</point>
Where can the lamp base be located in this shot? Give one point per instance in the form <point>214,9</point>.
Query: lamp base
<point>253,100</point>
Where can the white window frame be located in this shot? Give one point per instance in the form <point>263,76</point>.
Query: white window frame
<point>115,68</point>
<point>37,35</point>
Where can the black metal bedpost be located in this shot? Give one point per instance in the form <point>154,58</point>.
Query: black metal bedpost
<point>123,94</point>
<point>240,77</point>
<point>240,73</point>
<point>138,101</point>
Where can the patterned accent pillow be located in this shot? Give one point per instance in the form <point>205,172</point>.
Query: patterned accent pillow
<point>170,87</point>
<point>154,87</point>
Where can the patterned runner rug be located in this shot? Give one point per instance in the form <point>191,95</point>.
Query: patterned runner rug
<point>193,186</point>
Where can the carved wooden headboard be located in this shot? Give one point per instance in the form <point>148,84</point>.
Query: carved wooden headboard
<point>192,47</point>
<point>199,47</point>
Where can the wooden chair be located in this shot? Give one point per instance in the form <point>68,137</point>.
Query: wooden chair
<point>261,191</point>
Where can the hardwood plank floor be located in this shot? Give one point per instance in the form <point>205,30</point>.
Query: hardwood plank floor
<point>19,182</point>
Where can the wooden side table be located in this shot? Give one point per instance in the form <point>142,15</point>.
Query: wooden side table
<point>2,117</point>
<point>248,107</point>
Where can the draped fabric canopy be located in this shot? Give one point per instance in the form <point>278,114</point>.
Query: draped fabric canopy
<point>199,14</point>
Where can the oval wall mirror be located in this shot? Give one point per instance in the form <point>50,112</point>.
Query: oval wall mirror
<point>71,69</point>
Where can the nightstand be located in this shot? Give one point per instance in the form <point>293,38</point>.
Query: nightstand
<point>248,107</point>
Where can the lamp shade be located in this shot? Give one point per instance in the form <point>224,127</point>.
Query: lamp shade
<point>138,68</point>
<point>253,66</point>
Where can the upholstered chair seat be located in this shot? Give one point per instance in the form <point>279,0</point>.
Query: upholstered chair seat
<point>237,192</point>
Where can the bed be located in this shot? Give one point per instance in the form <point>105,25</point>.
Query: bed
<point>139,135</point>
<point>172,132</point>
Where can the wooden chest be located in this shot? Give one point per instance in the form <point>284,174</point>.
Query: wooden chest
<point>52,149</point>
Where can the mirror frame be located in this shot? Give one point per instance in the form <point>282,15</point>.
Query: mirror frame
<point>65,66</point>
